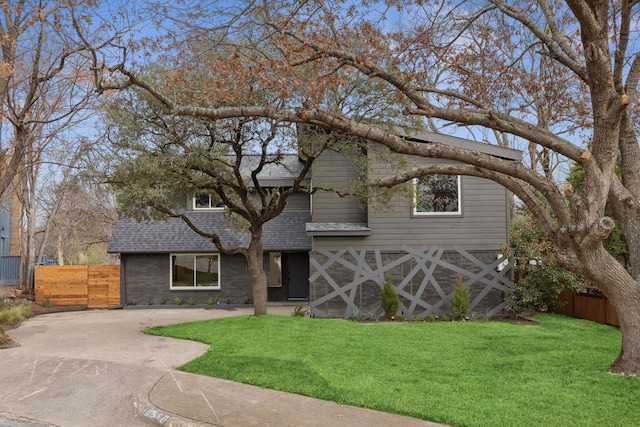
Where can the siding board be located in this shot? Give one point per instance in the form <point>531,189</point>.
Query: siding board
<point>334,171</point>
<point>483,224</point>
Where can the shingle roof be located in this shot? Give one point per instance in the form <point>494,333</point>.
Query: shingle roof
<point>278,174</point>
<point>286,232</point>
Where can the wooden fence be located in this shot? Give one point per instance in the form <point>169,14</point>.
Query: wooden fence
<point>93,286</point>
<point>590,305</point>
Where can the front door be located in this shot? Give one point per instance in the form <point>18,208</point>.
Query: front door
<point>295,273</point>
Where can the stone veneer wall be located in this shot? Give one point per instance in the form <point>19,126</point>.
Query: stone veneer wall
<point>348,283</point>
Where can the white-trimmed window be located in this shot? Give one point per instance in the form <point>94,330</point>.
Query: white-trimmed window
<point>205,201</point>
<point>437,194</point>
<point>195,271</point>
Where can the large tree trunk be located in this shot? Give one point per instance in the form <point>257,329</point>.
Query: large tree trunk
<point>255,263</point>
<point>627,305</point>
<point>624,294</point>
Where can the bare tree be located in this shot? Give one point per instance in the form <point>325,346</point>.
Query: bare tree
<point>301,50</point>
<point>45,89</point>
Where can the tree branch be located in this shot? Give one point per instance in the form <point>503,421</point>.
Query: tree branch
<point>557,44</point>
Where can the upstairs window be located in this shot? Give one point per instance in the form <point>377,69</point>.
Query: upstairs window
<point>205,201</point>
<point>437,194</point>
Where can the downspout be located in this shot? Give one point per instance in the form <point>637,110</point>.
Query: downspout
<point>123,288</point>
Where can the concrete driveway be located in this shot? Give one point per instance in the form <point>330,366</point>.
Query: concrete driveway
<point>85,368</point>
<point>96,368</point>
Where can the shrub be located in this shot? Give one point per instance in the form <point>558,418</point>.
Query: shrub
<point>390,300</point>
<point>541,281</point>
<point>460,300</point>
<point>15,313</point>
<point>46,301</point>
<point>299,311</point>
<point>212,300</point>
<point>179,300</point>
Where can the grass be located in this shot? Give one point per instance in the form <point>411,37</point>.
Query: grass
<point>15,313</point>
<point>460,373</point>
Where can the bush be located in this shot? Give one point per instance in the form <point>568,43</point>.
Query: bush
<point>299,311</point>
<point>46,302</point>
<point>460,300</point>
<point>540,277</point>
<point>18,312</point>
<point>390,300</point>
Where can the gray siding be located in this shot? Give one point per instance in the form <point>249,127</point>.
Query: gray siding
<point>298,202</point>
<point>483,224</point>
<point>335,171</point>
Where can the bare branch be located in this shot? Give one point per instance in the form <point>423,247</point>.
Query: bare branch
<point>559,48</point>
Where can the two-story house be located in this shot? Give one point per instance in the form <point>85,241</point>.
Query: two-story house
<point>435,231</point>
<point>335,251</point>
<point>165,260</point>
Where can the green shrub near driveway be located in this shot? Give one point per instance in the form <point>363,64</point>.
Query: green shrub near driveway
<point>456,373</point>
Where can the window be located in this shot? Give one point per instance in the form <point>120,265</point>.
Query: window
<point>205,201</point>
<point>437,194</point>
<point>195,271</point>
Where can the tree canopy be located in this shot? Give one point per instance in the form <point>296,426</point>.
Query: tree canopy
<point>546,75</point>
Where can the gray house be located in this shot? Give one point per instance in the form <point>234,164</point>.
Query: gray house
<point>162,260</point>
<point>336,251</point>
<point>438,230</point>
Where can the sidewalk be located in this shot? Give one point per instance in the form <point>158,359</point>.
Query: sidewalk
<point>181,399</point>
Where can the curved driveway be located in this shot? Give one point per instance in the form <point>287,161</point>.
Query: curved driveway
<point>96,368</point>
<point>86,368</point>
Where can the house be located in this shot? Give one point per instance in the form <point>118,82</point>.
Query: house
<point>159,258</point>
<point>336,251</point>
<point>440,230</point>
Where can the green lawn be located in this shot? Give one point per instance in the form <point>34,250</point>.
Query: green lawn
<point>462,374</point>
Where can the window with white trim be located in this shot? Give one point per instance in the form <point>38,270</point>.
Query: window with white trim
<point>195,271</point>
<point>437,194</point>
<point>205,201</point>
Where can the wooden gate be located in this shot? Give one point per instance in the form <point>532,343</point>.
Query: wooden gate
<point>93,286</point>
